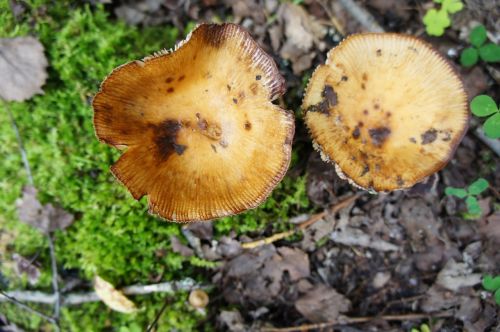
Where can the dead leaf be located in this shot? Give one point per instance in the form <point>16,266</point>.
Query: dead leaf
<point>302,32</point>
<point>26,267</point>
<point>322,304</point>
<point>22,68</point>
<point>46,218</point>
<point>232,320</point>
<point>257,275</point>
<point>202,230</point>
<point>112,297</point>
<point>180,248</point>
<point>457,275</point>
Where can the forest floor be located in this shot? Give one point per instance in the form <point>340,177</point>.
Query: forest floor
<point>367,262</point>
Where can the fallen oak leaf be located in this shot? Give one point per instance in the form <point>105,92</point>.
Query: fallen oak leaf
<point>47,218</point>
<point>22,68</point>
<point>113,298</point>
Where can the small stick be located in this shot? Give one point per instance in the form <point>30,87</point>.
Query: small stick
<point>29,309</point>
<point>24,156</point>
<point>78,298</point>
<point>55,285</point>
<point>361,15</point>
<point>315,217</point>
<point>357,320</point>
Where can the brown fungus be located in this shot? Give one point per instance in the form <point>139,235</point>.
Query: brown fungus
<point>198,155</point>
<point>393,149</point>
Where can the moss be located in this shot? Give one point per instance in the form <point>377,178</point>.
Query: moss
<point>113,235</point>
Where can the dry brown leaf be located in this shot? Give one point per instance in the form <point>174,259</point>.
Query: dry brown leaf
<point>322,304</point>
<point>112,297</point>
<point>22,68</point>
<point>46,218</point>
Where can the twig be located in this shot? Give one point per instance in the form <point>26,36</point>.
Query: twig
<point>25,307</point>
<point>357,320</point>
<point>78,298</point>
<point>493,144</point>
<point>361,15</point>
<point>55,285</point>
<point>318,216</point>
<point>163,307</point>
<point>24,156</point>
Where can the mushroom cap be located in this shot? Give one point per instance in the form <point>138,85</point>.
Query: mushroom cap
<point>203,139</point>
<point>198,298</point>
<point>387,109</point>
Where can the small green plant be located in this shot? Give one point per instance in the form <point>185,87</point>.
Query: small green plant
<point>485,106</point>
<point>488,52</point>
<point>492,284</point>
<point>470,194</point>
<point>437,20</point>
<point>423,328</point>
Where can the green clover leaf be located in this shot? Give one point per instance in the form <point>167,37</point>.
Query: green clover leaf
<point>452,6</point>
<point>491,284</point>
<point>457,192</point>
<point>478,36</point>
<point>497,296</point>
<point>469,57</point>
<point>473,205</point>
<point>483,105</point>
<point>492,126</point>
<point>436,21</point>
<point>490,52</point>
<point>478,186</point>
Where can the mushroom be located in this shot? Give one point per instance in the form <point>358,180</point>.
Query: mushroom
<point>387,109</point>
<point>198,298</point>
<point>201,135</point>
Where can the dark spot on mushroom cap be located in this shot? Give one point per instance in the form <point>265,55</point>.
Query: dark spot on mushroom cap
<point>429,136</point>
<point>360,124</point>
<point>379,52</point>
<point>181,78</point>
<point>344,78</point>
<point>170,90</point>
<point>365,76</point>
<point>228,87</point>
<point>379,135</point>
<point>241,95</point>
<point>235,100</point>
<point>376,106</point>
<point>413,140</point>
<point>356,133</point>
<point>363,86</point>
<point>388,114</point>
<point>366,169</point>
<point>248,125</point>
<point>330,95</point>
<point>365,112</point>
<point>213,148</point>
<point>169,79</point>
<point>165,137</point>
<point>329,100</point>
<point>258,77</point>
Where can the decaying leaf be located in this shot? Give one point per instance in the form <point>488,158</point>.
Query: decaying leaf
<point>457,275</point>
<point>112,297</point>
<point>46,218</point>
<point>322,304</point>
<point>22,68</point>
<point>26,267</point>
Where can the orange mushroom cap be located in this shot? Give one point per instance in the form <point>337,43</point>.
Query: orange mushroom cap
<point>387,109</point>
<point>203,139</point>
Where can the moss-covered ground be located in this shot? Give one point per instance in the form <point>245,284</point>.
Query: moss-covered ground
<point>113,235</point>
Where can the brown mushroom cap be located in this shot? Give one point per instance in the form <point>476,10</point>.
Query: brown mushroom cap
<point>203,139</point>
<point>386,109</point>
